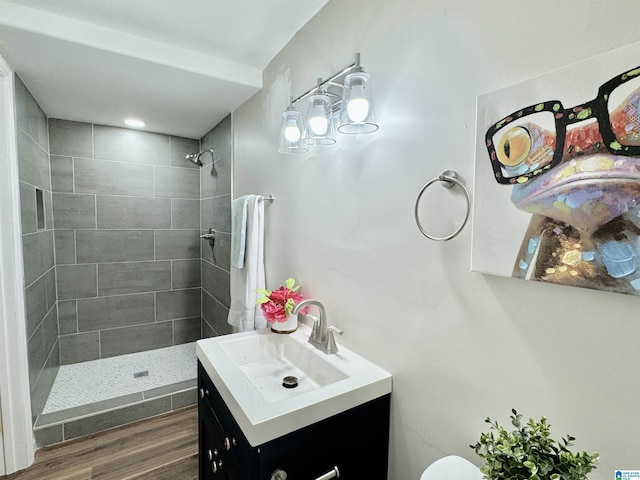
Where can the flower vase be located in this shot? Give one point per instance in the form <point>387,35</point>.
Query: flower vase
<point>288,326</point>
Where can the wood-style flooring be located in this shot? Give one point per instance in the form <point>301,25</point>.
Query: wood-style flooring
<point>159,448</point>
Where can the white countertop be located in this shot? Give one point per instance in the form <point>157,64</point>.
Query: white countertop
<point>262,418</point>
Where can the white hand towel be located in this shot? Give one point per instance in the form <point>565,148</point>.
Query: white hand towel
<point>244,313</point>
<point>239,209</point>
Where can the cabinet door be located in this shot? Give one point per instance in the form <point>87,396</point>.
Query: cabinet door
<point>210,447</point>
<point>220,458</point>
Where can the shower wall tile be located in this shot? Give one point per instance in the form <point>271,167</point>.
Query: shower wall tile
<point>30,116</point>
<point>48,210</point>
<point>76,281</point>
<point>38,254</point>
<point>216,282</point>
<point>207,330</point>
<point>120,341</point>
<point>177,244</point>
<point>186,330</point>
<point>67,317</point>
<point>221,141</point>
<point>112,178</point>
<point>175,304</point>
<point>65,246</point>
<point>36,356</point>
<point>74,211</point>
<point>216,180</point>
<point>98,246</point>
<point>28,208</point>
<point>216,212</point>
<point>71,139</point>
<point>33,162</point>
<point>61,174</point>
<point>215,314</point>
<point>44,382</point>
<point>205,142</point>
<point>173,182</point>
<point>40,347</point>
<point>133,212</point>
<point>185,273</point>
<point>126,145</point>
<point>50,330</point>
<point>116,418</point>
<point>134,277</point>
<point>185,213</point>
<point>220,255</point>
<point>50,287</point>
<point>180,148</point>
<point>116,311</point>
<point>79,347</point>
<point>36,304</point>
<point>31,258</point>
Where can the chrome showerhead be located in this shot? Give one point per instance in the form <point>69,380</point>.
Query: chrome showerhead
<point>195,158</point>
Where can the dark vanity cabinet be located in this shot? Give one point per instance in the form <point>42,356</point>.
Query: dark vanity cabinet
<point>355,441</point>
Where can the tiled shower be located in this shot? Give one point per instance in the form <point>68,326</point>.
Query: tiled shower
<point>113,262</point>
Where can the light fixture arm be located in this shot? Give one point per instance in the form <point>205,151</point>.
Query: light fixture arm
<point>331,81</point>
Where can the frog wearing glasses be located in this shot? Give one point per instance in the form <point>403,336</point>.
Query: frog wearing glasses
<point>577,171</point>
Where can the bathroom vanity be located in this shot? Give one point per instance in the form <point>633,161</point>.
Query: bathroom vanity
<point>253,427</point>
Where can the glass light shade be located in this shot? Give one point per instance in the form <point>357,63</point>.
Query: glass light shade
<point>357,114</point>
<point>291,132</point>
<point>320,129</point>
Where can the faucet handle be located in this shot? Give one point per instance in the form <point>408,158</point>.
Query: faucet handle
<point>335,329</point>
<point>331,345</point>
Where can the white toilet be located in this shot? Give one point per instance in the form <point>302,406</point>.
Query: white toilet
<point>452,468</point>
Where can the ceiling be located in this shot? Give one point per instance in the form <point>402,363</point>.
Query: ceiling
<point>181,66</point>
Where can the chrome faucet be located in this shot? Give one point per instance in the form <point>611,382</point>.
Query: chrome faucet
<point>321,336</point>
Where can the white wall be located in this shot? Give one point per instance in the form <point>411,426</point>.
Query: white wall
<point>461,346</point>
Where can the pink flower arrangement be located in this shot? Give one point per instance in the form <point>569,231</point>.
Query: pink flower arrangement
<point>278,304</point>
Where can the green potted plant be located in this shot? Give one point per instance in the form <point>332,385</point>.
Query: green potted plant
<point>528,452</point>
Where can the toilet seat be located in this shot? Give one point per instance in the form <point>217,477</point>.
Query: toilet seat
<point>452,468</point>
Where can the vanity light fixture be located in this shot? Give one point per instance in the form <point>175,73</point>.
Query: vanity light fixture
<point>356,109</point>
<point>346,95</point>
<point>319,125</point>
<point>292,132</point>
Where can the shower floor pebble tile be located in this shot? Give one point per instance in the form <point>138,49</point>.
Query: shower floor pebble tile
<point>95,381</point>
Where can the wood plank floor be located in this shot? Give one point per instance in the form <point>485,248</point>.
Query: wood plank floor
<point>159,448</point>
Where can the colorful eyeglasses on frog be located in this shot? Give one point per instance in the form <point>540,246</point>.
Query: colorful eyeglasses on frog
<point>535,139</point>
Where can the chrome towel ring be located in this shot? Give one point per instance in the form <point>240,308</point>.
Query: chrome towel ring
<point>448,179</point>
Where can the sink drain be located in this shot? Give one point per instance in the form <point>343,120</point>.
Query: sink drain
<point>290,382</point>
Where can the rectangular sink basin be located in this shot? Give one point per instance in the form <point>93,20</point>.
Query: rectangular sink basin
<point>268,360</point>
<point>249,370</point>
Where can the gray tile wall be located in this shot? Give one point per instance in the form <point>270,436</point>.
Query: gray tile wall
<point>38,247</point>
<point>215,212</point>
<point>127,219</point>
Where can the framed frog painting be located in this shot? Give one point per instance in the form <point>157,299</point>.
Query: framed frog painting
<point>557,176</point>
